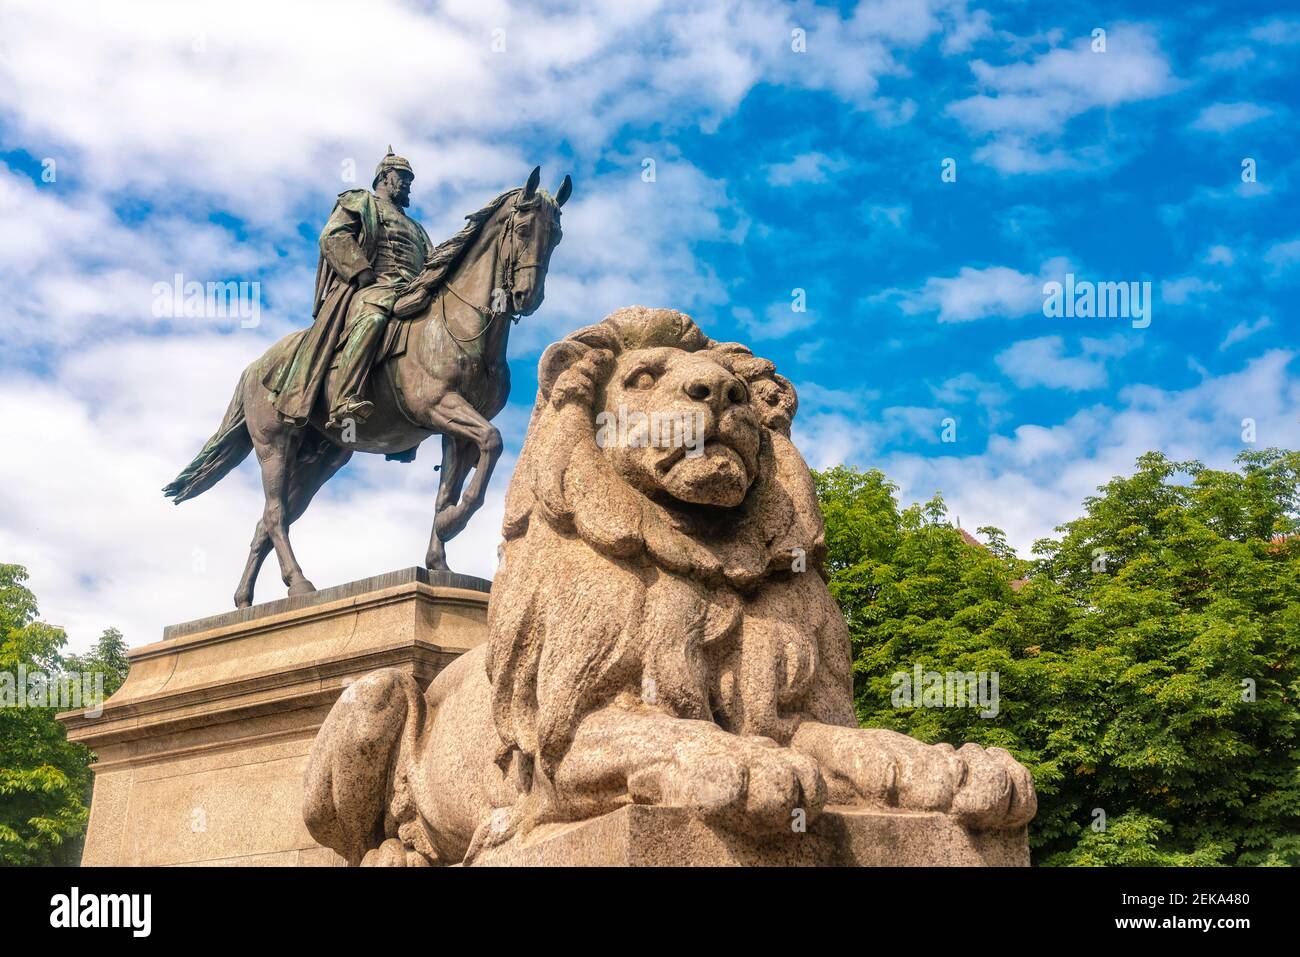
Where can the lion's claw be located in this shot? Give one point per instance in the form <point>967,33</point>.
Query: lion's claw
<point>735,780</point>
<point>983,788</point>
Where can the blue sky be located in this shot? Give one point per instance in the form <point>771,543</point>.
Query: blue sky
<point>210,140</point>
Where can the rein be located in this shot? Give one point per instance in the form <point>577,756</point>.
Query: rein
<point>507,285</point>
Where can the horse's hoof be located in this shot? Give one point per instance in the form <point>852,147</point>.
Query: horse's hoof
<point>437,565</point>
<point>303,587</point>
<point>243,602</point>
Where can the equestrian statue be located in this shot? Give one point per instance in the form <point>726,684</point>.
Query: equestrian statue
<point>408,341</point>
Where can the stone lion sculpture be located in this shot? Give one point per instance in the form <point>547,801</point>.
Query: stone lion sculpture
<point>654,636</point>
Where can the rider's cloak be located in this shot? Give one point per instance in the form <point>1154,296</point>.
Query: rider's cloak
<point>347,245</point>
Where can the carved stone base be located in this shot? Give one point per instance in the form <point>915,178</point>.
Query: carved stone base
<point>201,752</point>
<point>639,836</point>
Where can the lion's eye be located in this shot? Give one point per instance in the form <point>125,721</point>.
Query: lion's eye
<point>642,380</point>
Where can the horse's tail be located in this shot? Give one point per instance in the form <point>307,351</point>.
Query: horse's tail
<point>223,452</point>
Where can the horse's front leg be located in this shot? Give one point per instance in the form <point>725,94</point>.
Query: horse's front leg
<point>455,465</point>
<point>455,417</point>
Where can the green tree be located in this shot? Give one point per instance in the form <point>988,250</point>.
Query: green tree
<point>45,781</point>
<point>1147,660</point>
<point>107,657</point>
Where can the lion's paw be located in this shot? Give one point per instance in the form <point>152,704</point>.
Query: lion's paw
<point>983,788</point>
<point>997,791</point>
<point>749,783</point>
<point>393,853</point>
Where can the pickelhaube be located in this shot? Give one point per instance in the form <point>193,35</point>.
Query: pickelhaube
<point>391,161</point>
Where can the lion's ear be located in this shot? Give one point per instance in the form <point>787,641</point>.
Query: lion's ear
<point>556,360</point>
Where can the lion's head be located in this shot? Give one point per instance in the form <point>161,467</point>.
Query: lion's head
<point>657,490</point>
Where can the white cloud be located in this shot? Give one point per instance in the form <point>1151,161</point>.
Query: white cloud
<point>778,321</point>
<point>79,272</point>
<point>1043,362</point>
<point>979,293</point>
<point>1279,31</point>
<point>967,387</point>
<point>1181,291</point>
<point>628,241</point>
<point>1244,330</point>
<point>897,216</point>
<point>831,438</point>
<point>1028,103</point>
<point>805,168</point>
<point>225,98</point>
<point>1225,117</point>
<point>818,398</point>
<point>965,34</point>
<point>1219,256</point>
<point>1283,256</point>
<point>1038,476</point>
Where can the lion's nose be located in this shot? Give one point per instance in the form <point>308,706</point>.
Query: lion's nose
<point>714,385</point>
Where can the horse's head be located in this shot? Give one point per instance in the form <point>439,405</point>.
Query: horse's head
<point>534,232</point>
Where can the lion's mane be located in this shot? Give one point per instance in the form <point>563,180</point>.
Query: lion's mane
<point>601,592</point>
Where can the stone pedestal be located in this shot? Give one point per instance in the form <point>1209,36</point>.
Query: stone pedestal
<point>201,752</point>
<point>638,836</point>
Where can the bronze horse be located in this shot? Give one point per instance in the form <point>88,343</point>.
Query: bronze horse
<point>450,379</point>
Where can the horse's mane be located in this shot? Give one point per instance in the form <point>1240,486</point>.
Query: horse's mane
<point>447,255</point>
<point>450,253</point>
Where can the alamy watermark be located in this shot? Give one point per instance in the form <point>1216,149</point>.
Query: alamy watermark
<point>672,429</point>
<point>946,689</point>
<point>1084,299</point>
<point>66,691</point>
<point>180,299</point>
<point>130,911</point>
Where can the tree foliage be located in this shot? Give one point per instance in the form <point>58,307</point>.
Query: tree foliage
<point>1147,657</point>
<point>45,781</point>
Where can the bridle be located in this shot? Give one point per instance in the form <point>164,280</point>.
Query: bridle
<point>507,285</point>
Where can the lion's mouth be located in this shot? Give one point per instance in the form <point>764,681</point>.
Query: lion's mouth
<point>665,464</point>
<point>709,449</point>
<point>715,474</point>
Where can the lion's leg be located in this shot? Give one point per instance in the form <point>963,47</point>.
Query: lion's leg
<point>984,788</point>
<point>746,782</point>
<point>453,780</point>
<point>356,798</point>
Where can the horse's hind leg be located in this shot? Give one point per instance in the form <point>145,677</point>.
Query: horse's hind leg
<point>309,478</point>
<point>455,466</point>
<point>277,451</point>
<point>257,552</point>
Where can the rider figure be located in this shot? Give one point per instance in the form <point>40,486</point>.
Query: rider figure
<point>399,256</point>
<point>370,251</point>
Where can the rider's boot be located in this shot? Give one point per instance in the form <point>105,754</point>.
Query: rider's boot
<point>354,365</point>
<point>358,410</point>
